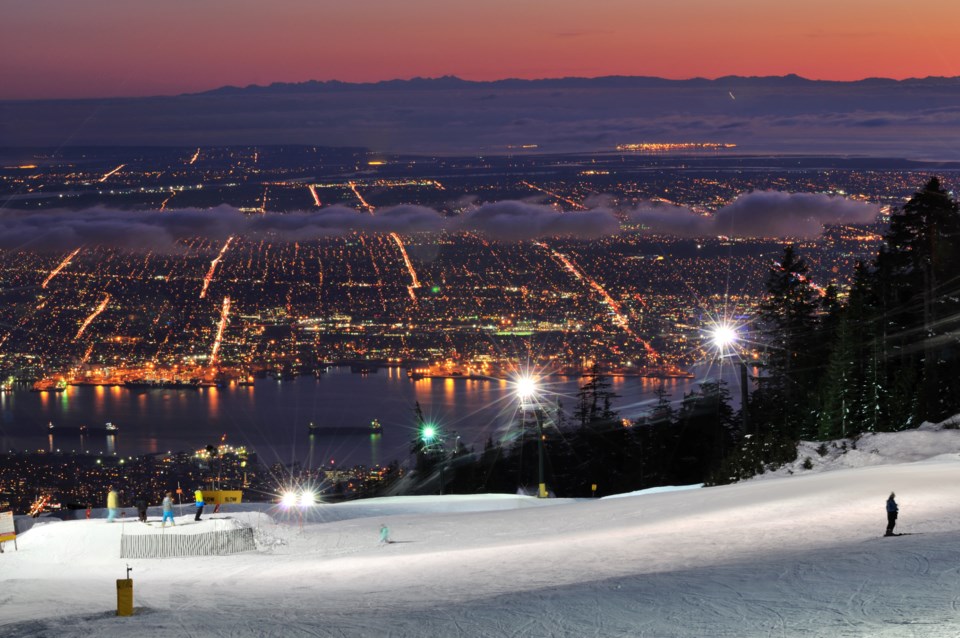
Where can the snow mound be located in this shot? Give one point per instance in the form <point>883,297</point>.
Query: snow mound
<point>661,489</point>
<point>928,441</point>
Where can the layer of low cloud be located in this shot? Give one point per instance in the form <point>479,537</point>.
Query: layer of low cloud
<point>755,214</point>
<point>60,230</point>
<point>516,220</point>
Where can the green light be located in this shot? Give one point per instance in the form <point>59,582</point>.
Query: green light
<point>435,289</point>
<point>428,433</point>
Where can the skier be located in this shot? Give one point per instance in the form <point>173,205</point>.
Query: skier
<point>141,505</point>
<point>892,510</point>
<point>198,497</point>
<point>168,510</point>
<point>384,534</point>
<point>113,501</point>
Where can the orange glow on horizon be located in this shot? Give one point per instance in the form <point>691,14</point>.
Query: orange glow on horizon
<point>293,41</point>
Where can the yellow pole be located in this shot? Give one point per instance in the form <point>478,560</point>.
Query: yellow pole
<point>124,596</point>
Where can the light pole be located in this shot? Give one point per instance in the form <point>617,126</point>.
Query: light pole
<point>527,389</point>
<point>292,499</point>
<point>430,437</point>
<point>726,339</point>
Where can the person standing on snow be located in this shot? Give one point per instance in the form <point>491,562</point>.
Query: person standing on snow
<point>384,534</point>
<point>168,510</point>
<point>198,498</point>
<point>113,502</point>
<point>141,505</point>
<point>892,511</point>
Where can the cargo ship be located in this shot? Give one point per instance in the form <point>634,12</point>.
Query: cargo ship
<point>374,428</point>
<point>162,384</point>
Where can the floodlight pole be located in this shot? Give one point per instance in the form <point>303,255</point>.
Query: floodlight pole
<point>542,492</point>
<point>526,389</point>
<point>744,397</point>
<point>443,461</point>
<point>729,340</point>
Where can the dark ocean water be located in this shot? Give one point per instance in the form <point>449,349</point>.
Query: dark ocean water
<point>272,417</point>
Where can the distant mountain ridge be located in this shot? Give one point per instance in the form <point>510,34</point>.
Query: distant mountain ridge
<point>917,118</point>
<point>448,82</point>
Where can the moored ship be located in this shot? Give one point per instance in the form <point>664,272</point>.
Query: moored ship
<point>162,384</point>
<point>374,428</point>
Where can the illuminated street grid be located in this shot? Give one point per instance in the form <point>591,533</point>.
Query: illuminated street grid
<point>457,301</point>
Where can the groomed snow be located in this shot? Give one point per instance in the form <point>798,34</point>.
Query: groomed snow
<point>791,555</point>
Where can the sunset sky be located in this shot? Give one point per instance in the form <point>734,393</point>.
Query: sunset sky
<point>98,48</point>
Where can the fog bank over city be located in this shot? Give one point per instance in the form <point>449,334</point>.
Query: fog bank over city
<point>767,214</point>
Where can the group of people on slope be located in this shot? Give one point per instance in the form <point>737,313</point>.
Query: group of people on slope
<point>113,506</point>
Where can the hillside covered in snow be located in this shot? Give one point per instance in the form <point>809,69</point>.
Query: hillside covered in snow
<point>798,552</point>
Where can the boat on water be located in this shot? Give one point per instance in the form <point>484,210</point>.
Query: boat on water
<point>162,384</point>
<point>667,372</point>
<point>374,428</point>
<point>111,427</point>
<point>49,385</point>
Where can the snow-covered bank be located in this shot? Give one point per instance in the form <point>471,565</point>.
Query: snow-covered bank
<point>796,556</point>
<point>875,448</point>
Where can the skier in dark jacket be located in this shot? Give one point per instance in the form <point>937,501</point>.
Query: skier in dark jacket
<point>141,505</point>
<point>891,514</point>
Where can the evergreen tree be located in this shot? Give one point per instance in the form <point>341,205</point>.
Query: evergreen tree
<point>595,398</point>
<point>704,433</point>
<point>788,322</point>
<point>917,284</point>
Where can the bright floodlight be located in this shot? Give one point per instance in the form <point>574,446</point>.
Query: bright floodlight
<point>428,433</point>
<point>526,387</point>
<point>289,499</point>
<point>723,336</point>
<point>307,499</point>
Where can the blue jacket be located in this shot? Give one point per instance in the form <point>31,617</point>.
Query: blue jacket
<point>891,506</point>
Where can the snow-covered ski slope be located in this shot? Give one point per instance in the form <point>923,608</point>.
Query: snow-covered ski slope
<point>797,555</point>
